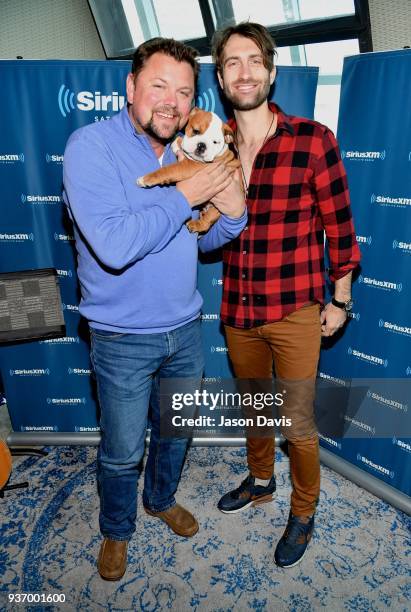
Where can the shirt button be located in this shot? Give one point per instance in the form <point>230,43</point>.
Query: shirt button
<point>246,227</point>
<point>244,252</point>
<point>244,298</point>
<point>244,275</point>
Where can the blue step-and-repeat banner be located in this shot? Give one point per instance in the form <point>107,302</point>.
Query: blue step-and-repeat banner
<point>373,353</point>
<point>47,383</point>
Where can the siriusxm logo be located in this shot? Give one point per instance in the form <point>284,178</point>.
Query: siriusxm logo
<point>360,424</point>
<point>66,401</point>
<point>211,379</point>
<point>375,466</point>
<point>387,401</point>
<point>16,237</point>
<point>40,199</point>
<point>333,379</point>
<point>32,372</point>
<point>218,349</point>
<point>65,340</point>
<point>394,327</point>
<point>364,155</point>
<point>217,281</point>
<point>64,273</point>
<point>79,371</point>
<point>403,246</point>
<point>210,317</point>
<point>380,284</point>
<point>355,316</point>
<point>63,237</point>
<point>39,428</point>
<point>364,239</point>
<point>54,158</point>
<point>408,371</point>
<point>70,307</point>
<point>11,158</point>
<point>369,358</point>
<point>88,100</point>
<point>403,445</point>
<point>206,101</point>
<point>330,441</point>
<point>83,428</point>
<point>390,201</point>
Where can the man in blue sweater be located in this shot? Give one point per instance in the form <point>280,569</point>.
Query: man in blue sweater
<point>137,266</point>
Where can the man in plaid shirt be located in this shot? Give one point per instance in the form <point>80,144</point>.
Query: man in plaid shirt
<point>274,271</point>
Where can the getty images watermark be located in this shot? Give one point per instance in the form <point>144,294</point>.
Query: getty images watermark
<point>224,400</point>
<point>343,408</point>
<point>227,408</point>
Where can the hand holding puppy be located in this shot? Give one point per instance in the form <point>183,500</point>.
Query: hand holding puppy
<point>230,201</point>
<point>206,183</point>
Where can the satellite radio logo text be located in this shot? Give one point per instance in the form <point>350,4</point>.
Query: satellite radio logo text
<point>88,100</point>
<point>53,158</point>
<point>364,239</point>
<point>390,201</point>
<point>40,199</point>
<point>381,284</point>
<point>405,247</point>
<point>395,327</point>
<point>373,359</point>
<point>21,237</point>
<point>363,155</point>
<point>11,158</point>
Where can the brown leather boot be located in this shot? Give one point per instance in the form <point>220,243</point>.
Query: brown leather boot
<point>112,560</point>
<point>180,520</point>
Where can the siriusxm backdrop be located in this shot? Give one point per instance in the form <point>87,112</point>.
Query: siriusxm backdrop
<point>47,383</point>
<point>374,134</point>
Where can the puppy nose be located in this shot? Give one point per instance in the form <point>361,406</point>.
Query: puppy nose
<point>201,147</point>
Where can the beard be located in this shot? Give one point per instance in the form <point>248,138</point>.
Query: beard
<point>155,129</point>
<point>259,97</point>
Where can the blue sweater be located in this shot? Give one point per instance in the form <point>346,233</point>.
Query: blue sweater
<point>137,262</point>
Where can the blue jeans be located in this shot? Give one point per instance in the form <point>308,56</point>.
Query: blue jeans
<point>128,369</point>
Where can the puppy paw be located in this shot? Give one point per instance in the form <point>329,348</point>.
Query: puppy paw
<point>192,226</point>
<point>141,182</point>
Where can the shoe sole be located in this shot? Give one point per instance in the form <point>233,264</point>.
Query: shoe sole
<point>112,579</point>
<point>293,564</point>
<point>186,534</point>
<point>254,502</point>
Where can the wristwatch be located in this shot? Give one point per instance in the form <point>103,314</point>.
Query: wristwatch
<point>347,306</point>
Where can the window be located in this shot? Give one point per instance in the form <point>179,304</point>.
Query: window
<point>307,32</point>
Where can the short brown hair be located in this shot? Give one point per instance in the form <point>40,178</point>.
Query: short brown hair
<point>256,32</point>
<point>168,46</point>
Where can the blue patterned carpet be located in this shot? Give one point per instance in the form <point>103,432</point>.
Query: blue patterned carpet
<point>359,558</point>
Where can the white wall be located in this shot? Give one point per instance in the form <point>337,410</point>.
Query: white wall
<point>48,29</point>
<point>390,24</point>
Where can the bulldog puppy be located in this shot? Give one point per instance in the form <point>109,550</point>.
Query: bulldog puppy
<point>205,140</point>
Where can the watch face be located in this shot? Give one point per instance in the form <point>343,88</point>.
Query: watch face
<point>348,305</point>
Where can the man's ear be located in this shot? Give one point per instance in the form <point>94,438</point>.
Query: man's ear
<point>228,133</point>
<point>220,79</point>
<point>130,87</point>
<point>273,74</point>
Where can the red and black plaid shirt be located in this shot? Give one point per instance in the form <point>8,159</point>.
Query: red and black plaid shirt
<point>298,189</point>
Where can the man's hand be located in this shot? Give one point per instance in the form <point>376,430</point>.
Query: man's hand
<point>332,319</point>
<point>231,201</point>
<point>206,183</point>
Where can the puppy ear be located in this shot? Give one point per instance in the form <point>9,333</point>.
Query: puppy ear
<point>193,111</point>
<point>228,133</point>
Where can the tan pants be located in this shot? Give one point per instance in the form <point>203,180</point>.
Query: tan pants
<point>293,346</point>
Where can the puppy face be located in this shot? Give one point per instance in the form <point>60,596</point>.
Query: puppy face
<point>206,136</point>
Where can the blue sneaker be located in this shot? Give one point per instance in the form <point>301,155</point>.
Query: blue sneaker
<point>292,546</point>
<point>248,494</point>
